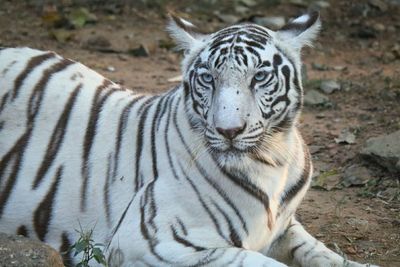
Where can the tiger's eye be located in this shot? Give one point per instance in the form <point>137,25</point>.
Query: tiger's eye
<point>207,77</point>
<point>260,76</point>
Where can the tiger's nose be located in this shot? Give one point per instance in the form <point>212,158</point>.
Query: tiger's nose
<point>231,133</point>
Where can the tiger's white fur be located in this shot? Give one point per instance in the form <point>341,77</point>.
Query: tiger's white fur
<point>160,185</point>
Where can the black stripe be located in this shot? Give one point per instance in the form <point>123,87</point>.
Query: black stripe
<point>204,205</point>
<point>22,230</point>
<point>182,225</point>
<point>217,45</point>
<point>38,91</point>
<point>153,139</point>
<point>265,161</point>
<point>234,236</point>
<point>255,53</point>
<point>56,138</point>
<point>13,158</point>
<point>139,141</point>
<point>166,140</point>
<point>295,248</point>
<point>123,120</point>
<point>98,101</point>
<point>241,180</point>
<point>204,173</point>
<point>253,44</point>
<point>311,249</point>
<point>152,240</point>
<point>184,241</point>
<point>299,27</point>
<point>4,101</point>
<point>15,155</point>
<point>221,63</point>
<point>301,182</point>
<point>162,112</point>
<point>65,250</point>
<point>43,213</point>
<point>106,193</point>
<point>149,195</point>
<point>30,66</point>
<point>120,221</point>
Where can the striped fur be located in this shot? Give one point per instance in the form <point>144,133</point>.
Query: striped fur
<point>164,180</point>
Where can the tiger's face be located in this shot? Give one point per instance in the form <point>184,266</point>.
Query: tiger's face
<point>242,84</point>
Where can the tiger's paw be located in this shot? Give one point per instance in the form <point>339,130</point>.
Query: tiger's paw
<point>356,264</point>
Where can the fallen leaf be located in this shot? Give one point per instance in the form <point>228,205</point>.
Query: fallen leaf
<point>80,16</point>
<point>175,79</point>
<point>327,180</point>
<point>62,35</point>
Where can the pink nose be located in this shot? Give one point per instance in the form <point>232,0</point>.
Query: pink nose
<point>231,133</point>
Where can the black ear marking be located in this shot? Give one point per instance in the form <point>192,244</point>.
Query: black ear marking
<point>277,60</point>
<point>300,25</point>
<point>184,26</point>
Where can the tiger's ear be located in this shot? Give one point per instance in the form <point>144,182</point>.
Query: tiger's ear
<point>185,34</point>
<point>301,31</point>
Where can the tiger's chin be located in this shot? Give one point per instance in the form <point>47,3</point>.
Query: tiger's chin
<point>230,157</point>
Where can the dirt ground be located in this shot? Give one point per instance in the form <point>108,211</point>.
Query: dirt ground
<point>359,46</point>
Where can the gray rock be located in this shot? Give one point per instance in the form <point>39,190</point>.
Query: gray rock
<point>364,33</point>
<point>227,18</point>
<point>389,194</point>
<point>270,22</point>
<point>339,68</point>
<point>19,251</point>
<point>314,149</point>
<point>385,150</point>
<point>110,68</point>
<point>326,180</point>
<point>379,27</point>
<point>379,4</point>
<point>356,175</point>
<point>242,10</point>
<point>300,3</point>
<point>98,43</point>
<point>313,98</point>
<point>248,3</point>
<point>320,67</point>
<point>304,73</point>
<point>318,5</point>
<point>356,222</point>
<point>141,51</point>
<point>346,137</point>
<point>329,86</point>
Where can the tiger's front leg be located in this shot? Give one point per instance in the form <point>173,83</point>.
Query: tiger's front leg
<point>216,257</point>
<point>299,249</point>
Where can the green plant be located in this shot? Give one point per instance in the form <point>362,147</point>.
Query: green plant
<point>89,250</point>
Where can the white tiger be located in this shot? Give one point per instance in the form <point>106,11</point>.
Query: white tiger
<point>207,174</point>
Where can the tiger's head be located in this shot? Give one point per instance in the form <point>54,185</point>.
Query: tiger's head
<point>242,84</point>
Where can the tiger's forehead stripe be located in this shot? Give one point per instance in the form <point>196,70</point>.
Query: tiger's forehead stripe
<point>238,41</point>
<point>249,32</point>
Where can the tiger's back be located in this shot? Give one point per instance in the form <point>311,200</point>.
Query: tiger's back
<point>57,117</point>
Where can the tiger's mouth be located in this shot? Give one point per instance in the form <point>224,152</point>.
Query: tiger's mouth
<point>229,156</point>
<point>231,151</point>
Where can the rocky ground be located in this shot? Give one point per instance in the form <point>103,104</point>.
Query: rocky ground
<point>18,251</point>
<point>352,83</point>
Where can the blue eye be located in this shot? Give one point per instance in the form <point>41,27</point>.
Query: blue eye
<point>260,76</point>
<point>207,77</point>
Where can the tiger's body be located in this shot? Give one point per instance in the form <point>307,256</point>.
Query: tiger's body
<point>161,181</point>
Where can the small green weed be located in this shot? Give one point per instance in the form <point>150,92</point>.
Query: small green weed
<point>89,250</point>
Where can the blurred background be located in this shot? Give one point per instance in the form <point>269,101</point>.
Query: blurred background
<point>351,76</point>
